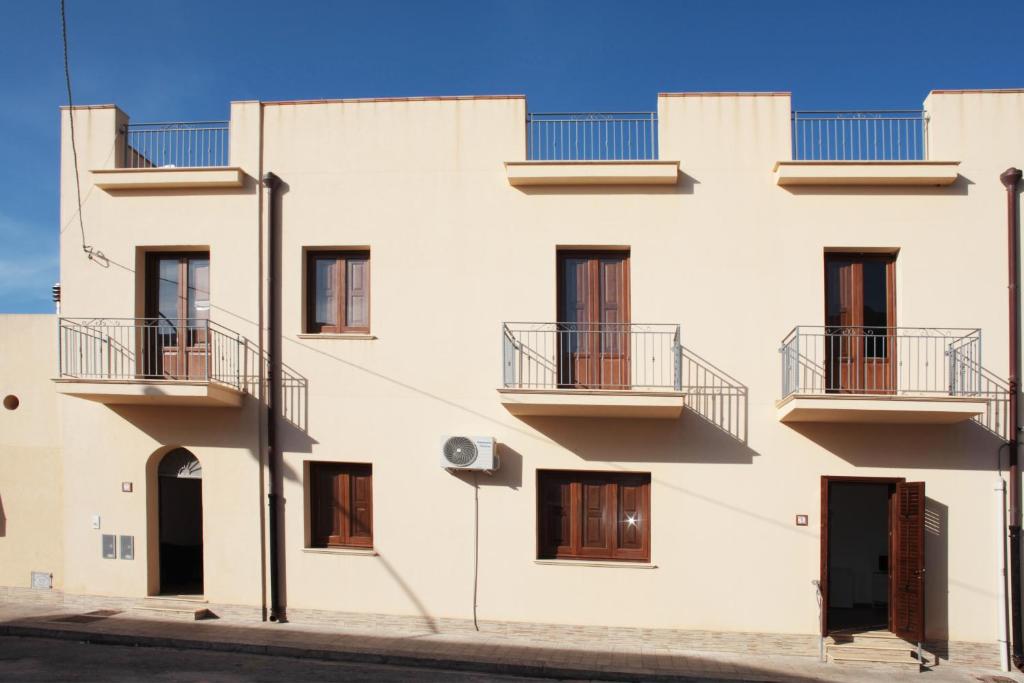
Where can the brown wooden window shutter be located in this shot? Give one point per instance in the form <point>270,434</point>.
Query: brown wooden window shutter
<point>593,515</point>
<point>337,292</point>
<point>341,505</point>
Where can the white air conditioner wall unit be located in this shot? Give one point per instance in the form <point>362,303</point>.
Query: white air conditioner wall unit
<point>476,453</point>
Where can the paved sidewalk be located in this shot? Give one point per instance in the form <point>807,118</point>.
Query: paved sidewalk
<point>466,652</point>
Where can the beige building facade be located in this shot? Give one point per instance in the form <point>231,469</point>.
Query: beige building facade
<point>745,329</point>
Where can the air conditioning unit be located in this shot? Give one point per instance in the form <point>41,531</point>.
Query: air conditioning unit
<point>469,453</point>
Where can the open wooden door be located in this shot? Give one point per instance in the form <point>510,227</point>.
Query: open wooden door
<point>593,320</point>
<point>906,611</point>
<point>860,323</point>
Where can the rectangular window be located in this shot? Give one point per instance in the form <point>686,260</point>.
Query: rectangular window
<point>338,291</point>
<point>340,505</point>
<point>593,515</point>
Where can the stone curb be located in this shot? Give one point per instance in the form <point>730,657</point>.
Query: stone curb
<point>505,668</point>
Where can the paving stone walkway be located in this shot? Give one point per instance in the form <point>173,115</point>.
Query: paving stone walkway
<point>482,652</point>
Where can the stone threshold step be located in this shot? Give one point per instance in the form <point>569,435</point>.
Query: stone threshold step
<point>889,660</point>
<point>870,648</point>
<point>179,613</point>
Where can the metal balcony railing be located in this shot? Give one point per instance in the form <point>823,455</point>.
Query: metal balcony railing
<point>177,144</point>
<point>894,135</point>
<point>884,360</point>
<point>151,349</point>
<point>592,356</point>
<point>604,136</point>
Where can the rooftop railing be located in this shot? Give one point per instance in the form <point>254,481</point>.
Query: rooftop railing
<point>178,144</point>
<point>571,355</point>
<point>895,135</point>
<point>883,360</point>
<point>605,136</point>
<point>151,349</point>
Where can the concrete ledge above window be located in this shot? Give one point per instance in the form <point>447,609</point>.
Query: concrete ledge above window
<point>152,392</point>
<point>792,173</point>
<point>167,178</point>
<point>650,172</point>
<point>593,403</point>
<point>880,409</point>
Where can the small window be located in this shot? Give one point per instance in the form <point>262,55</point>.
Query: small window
<point>340,505</point>
<point>593,516</point>
<point>338,292</point>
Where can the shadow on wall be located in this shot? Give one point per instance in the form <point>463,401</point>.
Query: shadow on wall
<point>961,446</point>
<point>509,473</point>
<point>691,438</point>
<point>936,574</point>
<point>3,518</point>
<point>213,428</point>
<point>294,398</point>
<point>715,396</point>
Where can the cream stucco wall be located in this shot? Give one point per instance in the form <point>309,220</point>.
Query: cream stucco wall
<point>455,251</point>
<point>31,483</point>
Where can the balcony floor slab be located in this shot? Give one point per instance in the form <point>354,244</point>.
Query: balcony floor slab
<point>627,403</point>
<point>152,392</point>
<point>628,172</point>
<point>904,173</point>
<point>879,409</point>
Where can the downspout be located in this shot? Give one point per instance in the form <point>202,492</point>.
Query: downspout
<point>1010,179</point>
<point>271,182</point>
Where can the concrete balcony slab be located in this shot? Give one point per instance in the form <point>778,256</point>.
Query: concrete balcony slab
<point>879,409</point>
<point>593,403</point>
<point>152,392</point>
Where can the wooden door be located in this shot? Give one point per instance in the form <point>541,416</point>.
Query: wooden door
<point>593,320</point>
<point>175,336</point>
<point>860,323</point>
<point>906,586</point>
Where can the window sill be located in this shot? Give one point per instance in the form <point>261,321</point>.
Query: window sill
<point>343,335</point>
<point>616,564</point>
<point>369,552</point>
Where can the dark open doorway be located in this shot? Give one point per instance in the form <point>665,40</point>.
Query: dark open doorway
<point>858,557</point>
<point>872,555</point>
<point>181,523</point>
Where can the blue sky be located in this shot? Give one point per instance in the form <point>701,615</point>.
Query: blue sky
<point>179,60</point>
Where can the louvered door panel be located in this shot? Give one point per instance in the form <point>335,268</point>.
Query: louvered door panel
<point>908,561</point>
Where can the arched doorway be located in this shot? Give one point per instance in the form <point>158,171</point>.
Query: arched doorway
<point>180,487</point>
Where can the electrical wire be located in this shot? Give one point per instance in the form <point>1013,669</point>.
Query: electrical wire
<point>476,544</point>
<point>71,119</point>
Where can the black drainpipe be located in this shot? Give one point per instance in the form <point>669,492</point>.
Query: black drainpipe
<point>1010,178</point>
<point>272,182</point>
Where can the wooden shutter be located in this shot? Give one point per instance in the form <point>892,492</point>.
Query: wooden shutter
<point>632,519</point>
<point>554,516</point>
<point>359,504</point>
<point>586,515</point>
<point>338,292</point>
<point>341,505</point>
<point>907,579</point>
<point>596,518</point>
<point>357,294</point>
<point>324,517</point>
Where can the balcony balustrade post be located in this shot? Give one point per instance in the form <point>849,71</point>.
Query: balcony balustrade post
<point>677,358</point>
